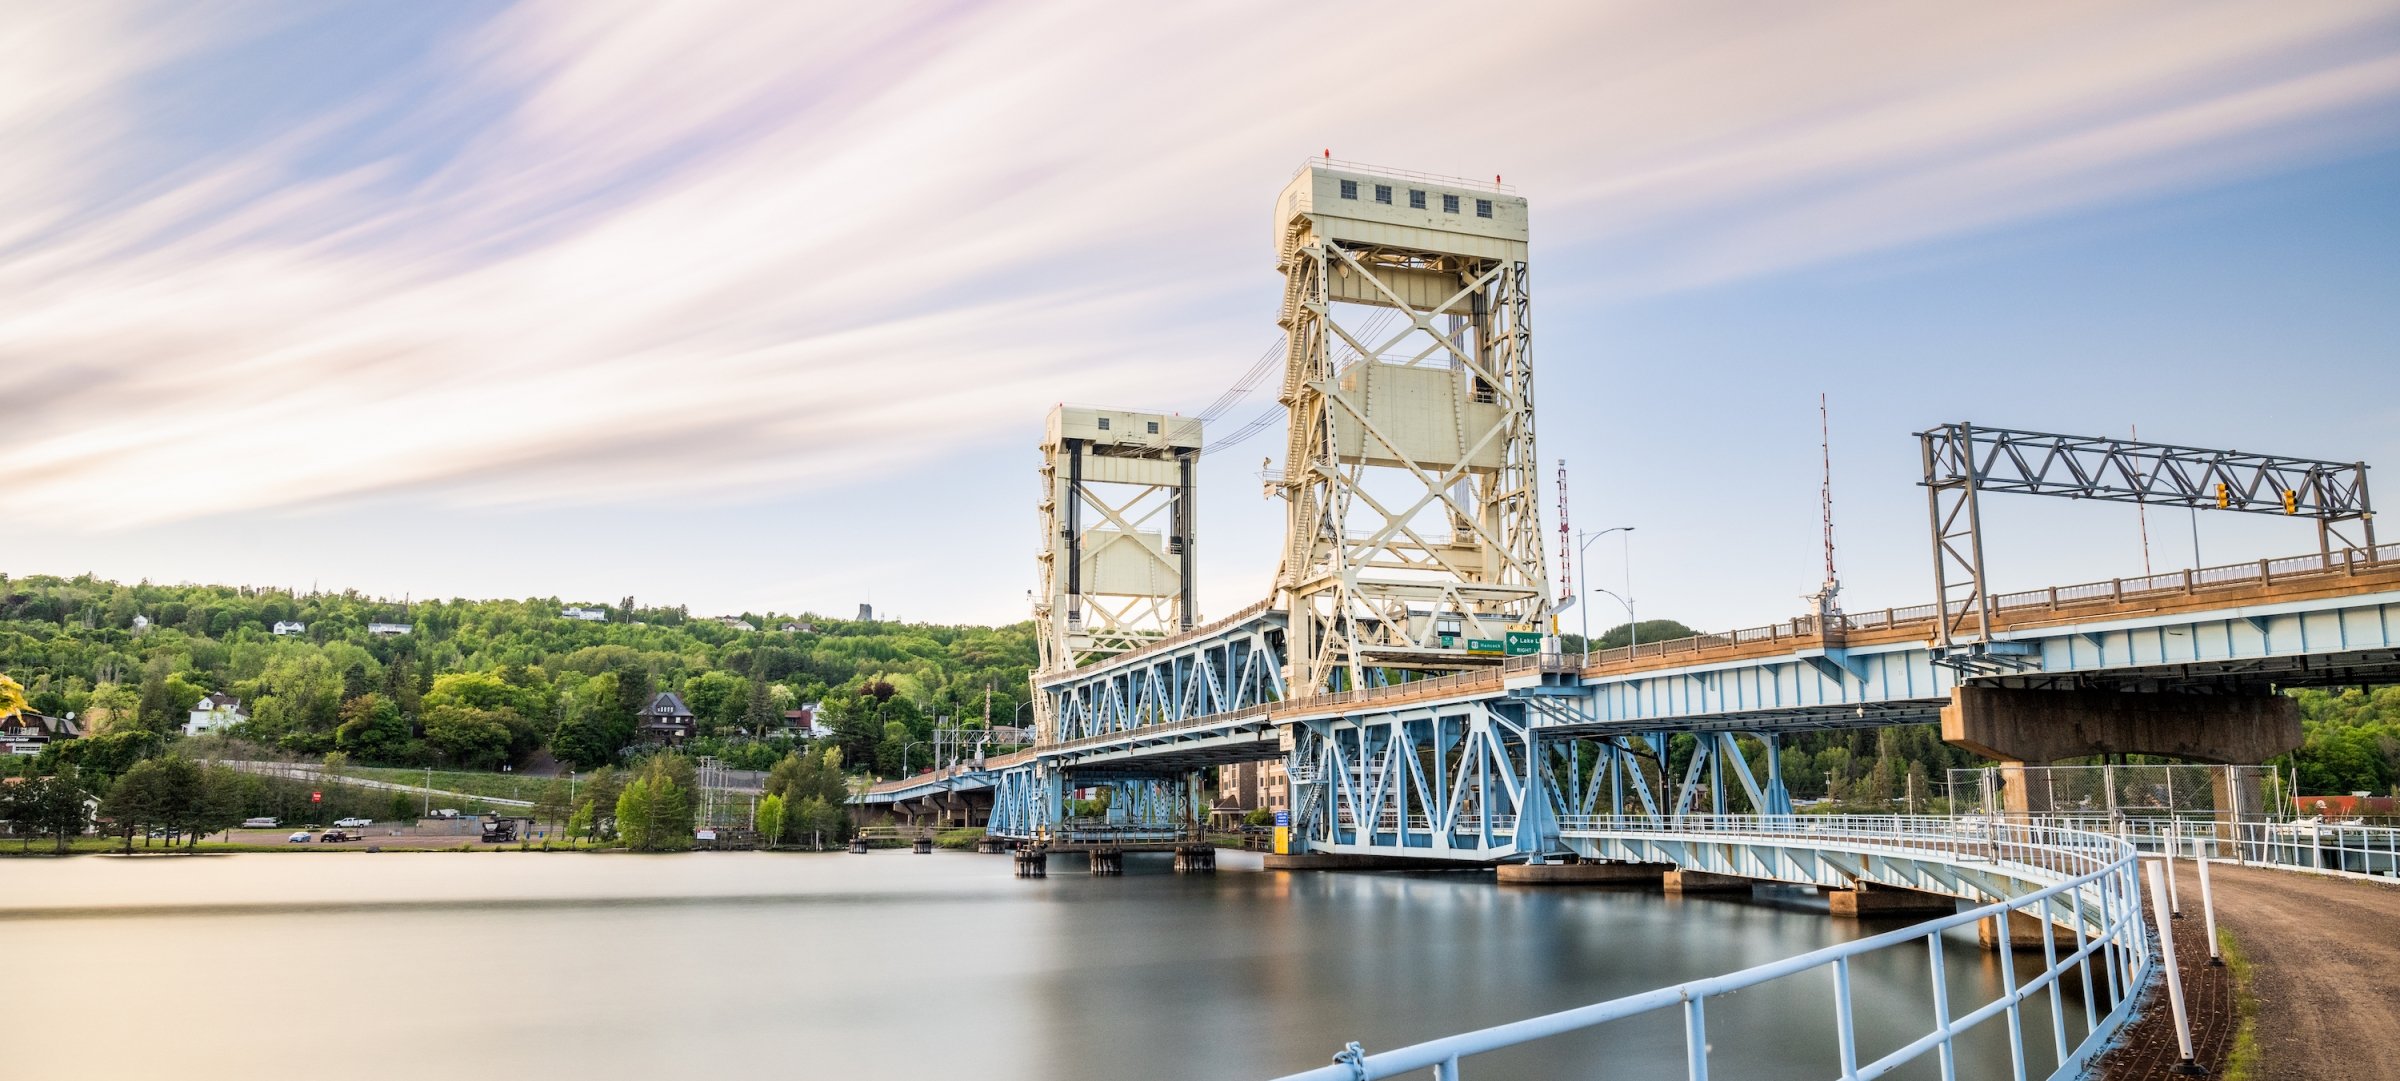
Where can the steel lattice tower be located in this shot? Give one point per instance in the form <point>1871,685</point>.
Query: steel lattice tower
<point>1118,545</point>
<point>1413,535</point>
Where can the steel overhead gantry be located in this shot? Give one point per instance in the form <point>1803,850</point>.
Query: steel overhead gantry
<point>1963,461</point>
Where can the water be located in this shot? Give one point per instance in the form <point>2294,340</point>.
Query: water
<point>583,967</point>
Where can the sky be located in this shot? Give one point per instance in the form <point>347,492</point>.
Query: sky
<point>753,306</point>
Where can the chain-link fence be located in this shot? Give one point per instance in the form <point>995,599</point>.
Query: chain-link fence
<point>2112,793</point>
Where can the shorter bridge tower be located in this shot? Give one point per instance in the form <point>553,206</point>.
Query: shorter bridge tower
<point>1118,552</point>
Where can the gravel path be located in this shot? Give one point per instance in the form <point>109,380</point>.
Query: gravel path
<point>2323,953</point>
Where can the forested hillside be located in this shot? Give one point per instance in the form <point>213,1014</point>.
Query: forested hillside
<point>482,683</point>
<point>479,684</point>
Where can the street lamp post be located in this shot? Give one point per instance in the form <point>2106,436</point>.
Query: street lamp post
<point>1583,566</point>
<point>1633,625</point>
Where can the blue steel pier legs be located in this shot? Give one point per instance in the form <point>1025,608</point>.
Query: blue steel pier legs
<point>1459,781</point>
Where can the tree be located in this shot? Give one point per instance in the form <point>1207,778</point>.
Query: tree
<point>470,737</point>
<point>156,792</point>
<point>113,707</point>
<point>580,824</point>
<point>12,697</point>
<point>716,698</point>
<point>551,805</point>
<point>56,805</point>
<point>760,715</point>
<point>633,815</point>
<point>770,820</point>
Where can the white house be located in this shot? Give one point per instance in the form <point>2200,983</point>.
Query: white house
<point>588,615</point>
<point>215,711</point>
<point>797,628</point>
<point>737,623</point>
<point>290,627</point>
<point>386,630</point>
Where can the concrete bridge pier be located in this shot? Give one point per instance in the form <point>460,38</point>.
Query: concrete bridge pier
<point>1108,861</point>
<point>1871,900</point>
<point>2032,728</point>
<point>1196,859</point>
<point>1681,881</point>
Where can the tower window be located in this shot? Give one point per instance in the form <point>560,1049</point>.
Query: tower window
<point>1349,189</point>
<point>1416,199</point>
<point>1483,208</point>
<point>1153,427</point>
<point>1449,204</point>
<point>1383,194</point>
<point>1104,424</point>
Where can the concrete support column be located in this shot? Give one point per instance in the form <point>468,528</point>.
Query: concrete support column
<point>2026,729</point>
<point>1704,882</point>
<point>1867,900</point>
<point>2024,932</point>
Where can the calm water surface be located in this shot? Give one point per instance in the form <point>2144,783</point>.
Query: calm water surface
<point>596,967</point>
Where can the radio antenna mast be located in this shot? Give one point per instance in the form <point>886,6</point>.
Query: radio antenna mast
<point>1566,544</point>
<point>1828,595</point>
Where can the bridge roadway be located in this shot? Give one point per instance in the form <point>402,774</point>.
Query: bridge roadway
<point>1212,696</point>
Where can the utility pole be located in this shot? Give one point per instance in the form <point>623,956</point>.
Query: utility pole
<point>2141,511</point>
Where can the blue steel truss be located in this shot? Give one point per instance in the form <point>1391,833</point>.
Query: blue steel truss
<point>1233,665</point>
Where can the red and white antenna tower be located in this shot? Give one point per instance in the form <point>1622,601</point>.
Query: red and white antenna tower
<point>1566,543</point>
<point>1828,594</point>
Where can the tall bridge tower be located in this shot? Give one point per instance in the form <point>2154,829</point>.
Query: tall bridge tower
<point>1413,537</point>
<point>1117,536</point>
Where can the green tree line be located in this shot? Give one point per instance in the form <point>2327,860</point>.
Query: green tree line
<point>480,684</point>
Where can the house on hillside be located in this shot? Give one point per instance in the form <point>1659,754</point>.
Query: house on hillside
<point>288,627</point>
<point>387,630</point>
<point>215,711</point>
<point>807,721</point>
<point>797,628</point>
<point>588,615</point>
<point>665,720</point>
<point>28,732</point>
<point>737,623</point>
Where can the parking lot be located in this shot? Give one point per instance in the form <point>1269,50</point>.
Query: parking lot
<point>422,833</point>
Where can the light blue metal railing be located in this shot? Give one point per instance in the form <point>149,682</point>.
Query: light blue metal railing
<point>2305,844</point>
<point>2090,917</point>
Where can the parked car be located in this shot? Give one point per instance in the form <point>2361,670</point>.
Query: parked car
<point>337,836</point>
<point>298,837</point>
<point>352,823</point>
<point>446,812</point>
<point>259,823</point>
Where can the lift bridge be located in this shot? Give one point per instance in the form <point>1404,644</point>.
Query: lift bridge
<point>1403,669</point>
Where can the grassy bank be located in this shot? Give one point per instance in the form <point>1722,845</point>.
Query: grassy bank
<point>2241,1063</point>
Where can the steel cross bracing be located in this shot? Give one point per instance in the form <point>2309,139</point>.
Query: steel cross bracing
<point>1223,669</point>
<point>1412,512</point>
<point>1962,461</point>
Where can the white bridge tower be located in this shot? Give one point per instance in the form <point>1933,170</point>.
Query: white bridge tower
<point>1413,537</point>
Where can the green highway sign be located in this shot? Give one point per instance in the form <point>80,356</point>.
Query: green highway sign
<point>1486,645</point>
<point>1524,643</point>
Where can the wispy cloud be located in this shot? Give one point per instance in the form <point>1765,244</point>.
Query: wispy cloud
<point>589,252</point>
